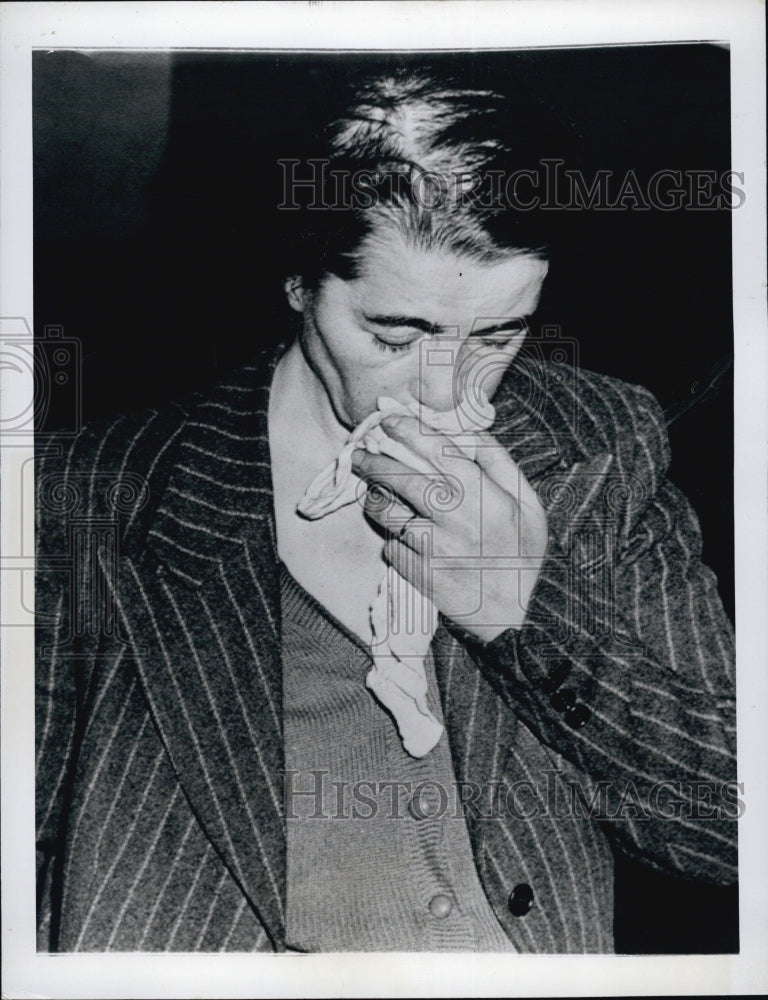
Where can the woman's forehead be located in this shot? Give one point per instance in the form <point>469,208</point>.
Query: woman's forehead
<point>393,274</point>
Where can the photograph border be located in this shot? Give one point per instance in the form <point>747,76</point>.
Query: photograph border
<point>25,27</point>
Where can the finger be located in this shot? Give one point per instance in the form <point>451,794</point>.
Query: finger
<point>416,534</point>
<point>409,564</point>
<point>382,505</point>
<point>413,535</point>
<point>427,445</point>
<point>401,452</point>
<point>429,496</point>
<point>397,519</point>
<point>488,456</point>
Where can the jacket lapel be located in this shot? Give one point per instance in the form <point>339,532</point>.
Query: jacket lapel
<point>580,483</point>
<point>200,605</point>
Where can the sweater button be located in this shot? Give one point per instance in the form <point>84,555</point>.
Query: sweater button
<point>520,900</point>
<point>426,802</point>
<point>440,906</point>
<point>415,809</point>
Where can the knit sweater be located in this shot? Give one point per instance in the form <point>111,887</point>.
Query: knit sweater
<point>379,857</point>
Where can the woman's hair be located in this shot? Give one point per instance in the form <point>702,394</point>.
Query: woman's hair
<point>443,165</point>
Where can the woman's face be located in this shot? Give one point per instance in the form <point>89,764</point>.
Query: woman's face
<point>411,316</point>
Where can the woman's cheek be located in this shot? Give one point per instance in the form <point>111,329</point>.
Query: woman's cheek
<point>487,367</point>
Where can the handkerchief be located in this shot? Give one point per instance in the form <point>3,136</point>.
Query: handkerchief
<point>403,621</point>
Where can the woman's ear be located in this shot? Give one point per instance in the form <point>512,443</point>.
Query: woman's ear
<point>294,290</point>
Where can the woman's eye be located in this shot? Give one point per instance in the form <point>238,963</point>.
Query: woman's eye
<point>500,337</point>
<point>494,339</point>
<point>395,345</point>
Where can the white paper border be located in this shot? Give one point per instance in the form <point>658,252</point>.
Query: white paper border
<point>408,25</point>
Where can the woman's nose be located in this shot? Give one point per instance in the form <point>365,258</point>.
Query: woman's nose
<point>434,381</point>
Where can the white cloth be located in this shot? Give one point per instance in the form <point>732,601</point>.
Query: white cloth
<point>399,640</point>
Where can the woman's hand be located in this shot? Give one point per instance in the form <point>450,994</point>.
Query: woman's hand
<point>470,535</point>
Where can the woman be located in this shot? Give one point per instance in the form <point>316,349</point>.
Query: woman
<point>383,665</point>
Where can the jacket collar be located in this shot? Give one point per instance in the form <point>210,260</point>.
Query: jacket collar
<point>538,413</point>
<point>219,495</point>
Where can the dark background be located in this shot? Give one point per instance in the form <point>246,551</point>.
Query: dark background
<point>156,247</point>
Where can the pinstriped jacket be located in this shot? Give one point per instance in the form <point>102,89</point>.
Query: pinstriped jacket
<point>159,731</point>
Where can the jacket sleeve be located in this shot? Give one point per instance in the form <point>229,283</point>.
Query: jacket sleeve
<point>625,664</point>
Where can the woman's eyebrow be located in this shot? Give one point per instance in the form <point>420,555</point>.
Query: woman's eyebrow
<point>513,323</point>
<point>425,326</point>
<point>412,321</point>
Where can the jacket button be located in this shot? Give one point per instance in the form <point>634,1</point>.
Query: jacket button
<point>440,906</point>
<point>563,699</point>
<point>577,716</point>
<point>520,900</point>
<point>556,678</point>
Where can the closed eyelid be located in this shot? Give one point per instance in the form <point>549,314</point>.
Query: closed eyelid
<point>516,325</point>
<point>519,325</point>
<point>404,322</point>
